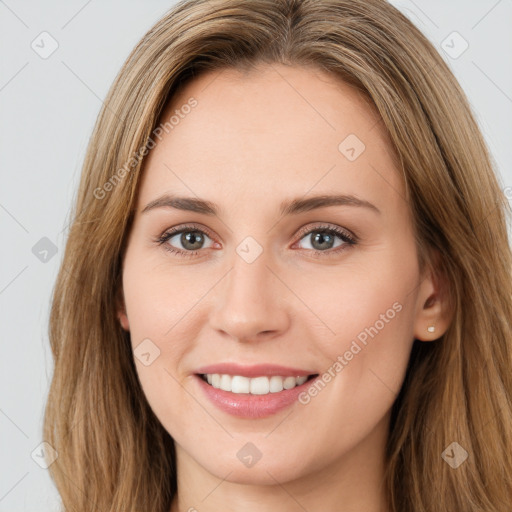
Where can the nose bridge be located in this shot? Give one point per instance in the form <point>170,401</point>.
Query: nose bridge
<point>249,299</point>
<point>249,281</point>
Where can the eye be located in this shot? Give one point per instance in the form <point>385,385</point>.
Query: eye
<point>190,238</point>
<point>323,238</point>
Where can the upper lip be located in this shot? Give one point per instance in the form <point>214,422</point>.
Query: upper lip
<point>257,370</point>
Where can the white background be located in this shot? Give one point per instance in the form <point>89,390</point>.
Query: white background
<point>47,111</point>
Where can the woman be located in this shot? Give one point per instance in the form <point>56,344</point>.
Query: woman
<point>287,282</point>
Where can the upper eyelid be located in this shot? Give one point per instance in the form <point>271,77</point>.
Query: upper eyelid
<point>326,226</point>
<point>188,227</point>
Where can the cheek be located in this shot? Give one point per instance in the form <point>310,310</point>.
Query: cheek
<point>370,316</point>
<point>161,316</point>
<point>159,300</point>
<point>372,319</point>
<point>164,304</point>
<point>366,304</point>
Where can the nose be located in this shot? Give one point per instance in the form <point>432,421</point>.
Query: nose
<point>251,302</point>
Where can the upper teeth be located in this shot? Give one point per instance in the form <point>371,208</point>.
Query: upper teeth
<point>255,386</point>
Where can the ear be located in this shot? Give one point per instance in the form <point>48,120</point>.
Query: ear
<point>121,309</point>
<point>434,311</point>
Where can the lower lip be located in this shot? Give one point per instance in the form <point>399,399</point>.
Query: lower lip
<point>245,405</point>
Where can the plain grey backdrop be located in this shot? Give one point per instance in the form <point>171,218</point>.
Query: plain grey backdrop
<point>57,61</point>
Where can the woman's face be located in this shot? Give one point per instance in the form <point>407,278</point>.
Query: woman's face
<point>295,256</point>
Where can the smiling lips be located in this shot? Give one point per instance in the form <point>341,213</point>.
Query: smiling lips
<point>252,391</point>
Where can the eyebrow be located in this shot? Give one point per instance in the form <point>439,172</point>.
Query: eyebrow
<point>289,207</point>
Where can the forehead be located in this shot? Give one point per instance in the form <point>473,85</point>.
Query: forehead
<point>272,130</point>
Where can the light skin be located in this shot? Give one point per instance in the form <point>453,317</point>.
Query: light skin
<point>253,141</point>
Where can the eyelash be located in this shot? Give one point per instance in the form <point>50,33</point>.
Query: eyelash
<point>346,237</point>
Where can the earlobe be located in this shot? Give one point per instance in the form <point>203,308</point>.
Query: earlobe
<point>123,320</point>
<point>121,310</point>
<point>430,325</point>
<point>433,306</point>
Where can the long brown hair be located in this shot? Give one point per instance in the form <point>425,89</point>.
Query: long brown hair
<point>113,453</point>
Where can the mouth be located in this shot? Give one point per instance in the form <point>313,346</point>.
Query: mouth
<point>260,385</point>
<point>253,392</point>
